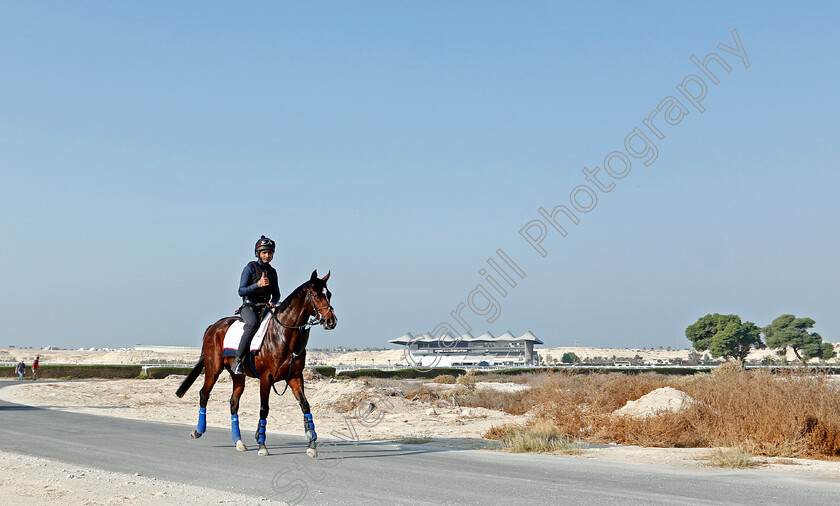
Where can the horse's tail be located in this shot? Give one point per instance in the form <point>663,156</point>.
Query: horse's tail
<point>190,379</point>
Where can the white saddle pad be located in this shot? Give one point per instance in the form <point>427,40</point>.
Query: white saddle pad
<point>234,334</point>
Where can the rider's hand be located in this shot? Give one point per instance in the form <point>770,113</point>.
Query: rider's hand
<point>271,305</point>
<point>263,280</point>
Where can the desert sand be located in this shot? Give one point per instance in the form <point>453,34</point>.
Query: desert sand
<point>356,358</point>
<point>334,404</point>
<point>43,481</point>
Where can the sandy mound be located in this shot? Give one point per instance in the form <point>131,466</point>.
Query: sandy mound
<point>660,401</point>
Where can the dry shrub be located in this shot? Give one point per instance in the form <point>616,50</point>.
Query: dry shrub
<point>446,379</point>
<point>515,403</point>
<point>536,437</point>
<point>735,458</point>
<point>791,414</point>
<point>824,439</point>
<point>422,393</point>
<point>673,430</point>
<point>310,374</point>
<point>467,379</point>
<point>348,402</point>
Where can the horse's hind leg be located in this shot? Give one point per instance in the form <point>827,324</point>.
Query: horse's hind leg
<point>296,384</point>
<point>210,378</point>
<point>238,388</point>
<point>265,393</point>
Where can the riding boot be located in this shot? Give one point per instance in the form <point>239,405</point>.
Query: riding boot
<point>237,367</point>
<point>251,319</point>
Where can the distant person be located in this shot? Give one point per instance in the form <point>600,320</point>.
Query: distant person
<point>259,291</point>
<point>35,368</point>
<point>20,369</point>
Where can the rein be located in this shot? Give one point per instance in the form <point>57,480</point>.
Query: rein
<point>311,322</point>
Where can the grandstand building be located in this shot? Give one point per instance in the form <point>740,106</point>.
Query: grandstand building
<point>482,351</point>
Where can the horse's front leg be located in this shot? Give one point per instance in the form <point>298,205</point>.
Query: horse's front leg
<point>238,388</point>
<point>265,392</point>
<point>296,384</point>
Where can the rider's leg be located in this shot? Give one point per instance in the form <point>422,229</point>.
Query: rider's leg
<point>252,323</point>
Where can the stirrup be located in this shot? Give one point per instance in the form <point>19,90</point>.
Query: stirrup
<point>237,367</point>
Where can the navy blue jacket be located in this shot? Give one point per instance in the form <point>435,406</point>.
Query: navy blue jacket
<point>250,291</point>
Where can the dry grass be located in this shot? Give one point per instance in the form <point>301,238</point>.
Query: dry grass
<point>540,437</point>
<point>466,395</point>
<point>734,458</point>
<point>784,415</point>
<point>467,379</point>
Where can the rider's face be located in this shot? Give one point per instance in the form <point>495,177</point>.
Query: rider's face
<point>266,256</point>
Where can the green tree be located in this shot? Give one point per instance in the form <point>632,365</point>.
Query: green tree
<point>724,336</point>
<point>570,358</point>
<point>788,330</point>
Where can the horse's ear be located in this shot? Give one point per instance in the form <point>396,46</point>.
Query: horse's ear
<point>314,275</point>
<point>327,276</point>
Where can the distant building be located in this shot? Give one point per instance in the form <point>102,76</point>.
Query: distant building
<point>164,348</point>
<point>484,350</point>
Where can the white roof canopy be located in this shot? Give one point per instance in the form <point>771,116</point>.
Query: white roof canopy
<point>507,337</point>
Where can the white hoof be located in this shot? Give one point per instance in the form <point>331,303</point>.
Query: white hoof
<point>312,452</point>
<point>240,446</point>
<point>263,451</point>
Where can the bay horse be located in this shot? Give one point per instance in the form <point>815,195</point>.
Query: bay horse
<point>281,357</point>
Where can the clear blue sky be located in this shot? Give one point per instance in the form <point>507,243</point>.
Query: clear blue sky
<point>147,145</point>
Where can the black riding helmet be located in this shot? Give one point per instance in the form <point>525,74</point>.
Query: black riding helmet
<point>263,244</point>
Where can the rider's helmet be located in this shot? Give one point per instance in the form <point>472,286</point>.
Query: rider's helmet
<point>263,244</point>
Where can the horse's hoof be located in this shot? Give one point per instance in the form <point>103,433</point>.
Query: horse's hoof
<point>240,446</point>
<point>195,434</point>
<point>263,451</point>
<point>312,452</point>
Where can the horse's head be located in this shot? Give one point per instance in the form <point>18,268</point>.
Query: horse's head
<point>319,296</point>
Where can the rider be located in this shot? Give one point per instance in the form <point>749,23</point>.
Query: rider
<point>259,291</point>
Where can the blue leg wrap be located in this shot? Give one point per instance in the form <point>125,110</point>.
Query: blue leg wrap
<point>309,427</point>
<point>261,431</point>
<point>234,428</point>
<point>202,420</point>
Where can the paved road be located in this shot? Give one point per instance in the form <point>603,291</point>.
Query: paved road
<point>349,472</point>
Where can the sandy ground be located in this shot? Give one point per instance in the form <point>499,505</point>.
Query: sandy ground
<point>335,404</point>
<point>126,356</point>
<point>379,358</point>
<point>44,481</point>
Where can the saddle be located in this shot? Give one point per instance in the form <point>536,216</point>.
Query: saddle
<point>234,335</point>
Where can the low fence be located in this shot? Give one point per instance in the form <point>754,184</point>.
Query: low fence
<point>665,369</point>
<point>98,371</point>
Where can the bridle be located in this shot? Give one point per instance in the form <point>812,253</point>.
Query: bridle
<point>317,319</point>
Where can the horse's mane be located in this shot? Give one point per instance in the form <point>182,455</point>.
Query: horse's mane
<point>288,300</point>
